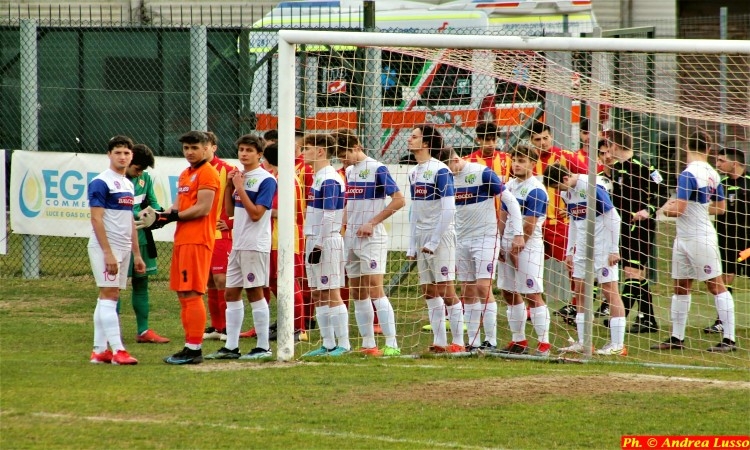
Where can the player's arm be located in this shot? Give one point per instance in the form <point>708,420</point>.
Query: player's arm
<point>686,184</point>
<point>510,204</point>
<point>718,203</point>
<point>229,201</point>
<point>138,264</point>
<point>443,185</point>
<point>536,208</point>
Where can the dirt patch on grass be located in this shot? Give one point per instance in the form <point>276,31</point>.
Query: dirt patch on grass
<point>526,389</point>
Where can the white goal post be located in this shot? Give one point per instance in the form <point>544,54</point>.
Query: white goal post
<point>287,85</point>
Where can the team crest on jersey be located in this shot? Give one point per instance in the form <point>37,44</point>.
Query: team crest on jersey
<point>192,178</point>
<point>444,271</point>
<point>605,272</point>
<point>364,174</point>
<point>529,283</point>
<point>251,182</point>
<point>427,174</point>
<point>324,279</point>
<point>373,264</point>
<point>582,194</point>
<point>251,277</point>
<point>471,178</point>
<point>141,183</point>
<point>707,269</point>
<point>117,184</point>
<point>524,191</point>
<point>489,267</point>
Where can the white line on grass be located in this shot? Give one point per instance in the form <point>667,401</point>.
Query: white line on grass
<point>335,434</point>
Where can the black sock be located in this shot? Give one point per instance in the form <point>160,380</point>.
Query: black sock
<point>629,294</point>
<point>645,301</point>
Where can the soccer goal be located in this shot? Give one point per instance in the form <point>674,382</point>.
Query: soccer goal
<point>595,101</point>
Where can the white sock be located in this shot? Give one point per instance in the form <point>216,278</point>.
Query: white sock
<point>725,307</point>
<point>680,310</point>
<point>580,326</point>
<point>235,314</point>
<point>617,330</point>
<point>340,325</point>
<point>517,322</point>
<point>489,322</point>
<point>387,320</point>
<point>261,321</point>
<point>540,321</point>
<point>364,314</point>
<point>436,312</point>
<point>456,318</point>
<point>100,339</point>
<point>323,317</point>
<point>110,323</point>
<point>473,318</point>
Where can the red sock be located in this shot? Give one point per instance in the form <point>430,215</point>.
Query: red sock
<point>213,308</point>
<point>299,308</point>
<point>194,318</point>
<point>222,319</point>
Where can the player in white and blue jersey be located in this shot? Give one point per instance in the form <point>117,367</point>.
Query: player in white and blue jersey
<point>695,253</point>
<point>112,243</point>
<point>433,237</point>
<point>368,184</point>
<point>521,275</point>
<point>573,189</point>
<point>324,246</point>
<point>477,189</point>
<point>249,199</point>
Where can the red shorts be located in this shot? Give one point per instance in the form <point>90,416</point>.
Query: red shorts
<point>220,257</point>
<point>189,270</point>
<point>555,241</point>
<point>299,265</point>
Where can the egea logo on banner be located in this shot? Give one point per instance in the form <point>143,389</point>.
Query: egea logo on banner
<point>54,189</point>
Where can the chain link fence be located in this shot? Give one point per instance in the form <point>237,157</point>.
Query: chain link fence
<point>150,76</point>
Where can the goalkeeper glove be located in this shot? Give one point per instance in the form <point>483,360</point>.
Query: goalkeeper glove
<point>146,218</point>
<point>314,256</point>
<point>163,218</point>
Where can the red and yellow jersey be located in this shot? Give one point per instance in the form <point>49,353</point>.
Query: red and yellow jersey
<point>556,208</point>
<point>223,168</point>
<point>201,230</point>
<point>499,162</point>
<point>299,237</point>
<point>582,160</point>
<point>305,176</point>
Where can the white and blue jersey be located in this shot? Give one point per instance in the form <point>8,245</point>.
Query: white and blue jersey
<point>368,183</point>
<point>476,187</point>
<point>430,182</point>
<point>325,205</point>
<point>533,199</point>
<point>115,193</point>
<point>606,231</point>
<point>699,185</point>
<point>260,187</point>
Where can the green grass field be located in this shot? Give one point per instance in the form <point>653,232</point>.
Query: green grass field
<point>51,397</point>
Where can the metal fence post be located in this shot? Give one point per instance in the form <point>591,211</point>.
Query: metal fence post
<point>371,115</point>
<point>199,77</point>
<point>29,64</point>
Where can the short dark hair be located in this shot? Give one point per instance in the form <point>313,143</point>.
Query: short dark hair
<point>539,127</point>
<point>271,135</point>
<point>119,141</point>
<point>212,138</point>
<point>434,141</point>
<point>733,154</point>
<point>621,139</point>
<point>298,133</point>
<point>584,125</point>
<point>554,174</point>
<point>486,130</point>
<point>525,151</point>
<point>699,141</point>
<point>345,139</point>
<point>271,154</point>
<point>195,137</point>
<point>142,156</point>
<point>325,141</point>
<point>602,143</point>
<point>251,139</point>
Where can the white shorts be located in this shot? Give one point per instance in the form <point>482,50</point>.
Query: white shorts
<point>248,269</point>
<point>440,266</point>
<point>476,258</point>
<point>529,277</point>
<point>695,259</point>
<point>366,256</point>
<point>329,272</point>
<point>603,273</point>
<point>104,279</point>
